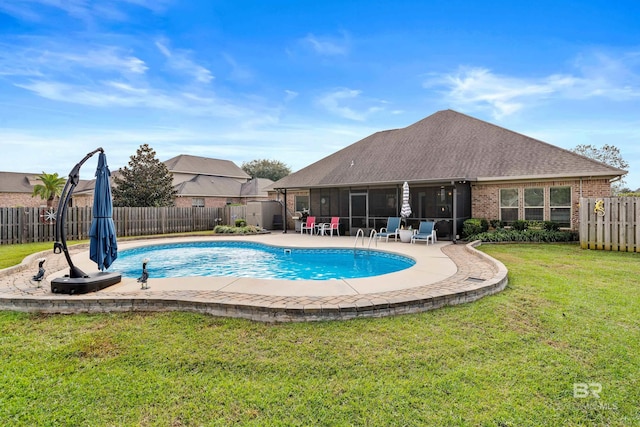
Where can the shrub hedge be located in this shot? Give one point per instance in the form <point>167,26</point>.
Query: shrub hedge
<point>541,236</point>
<point>247,229</point>
<point>474,226</point>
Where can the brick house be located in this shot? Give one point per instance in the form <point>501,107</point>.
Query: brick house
<point>199,181</point>
<point>16,189</point>
<point>213,183</point>
<point>457,167</point>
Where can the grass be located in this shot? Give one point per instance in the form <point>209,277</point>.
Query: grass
<point>11,255</point>
<point>568,316</point>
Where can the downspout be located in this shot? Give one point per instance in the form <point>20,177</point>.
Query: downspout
<point>284,221</point>
<point>455,213</point>
<point>580,188</point>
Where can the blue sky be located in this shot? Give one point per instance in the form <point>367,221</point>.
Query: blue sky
<point>297,80</point>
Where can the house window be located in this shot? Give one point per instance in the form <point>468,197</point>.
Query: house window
<point>302,203</point>
<point>534,204</point>
<point>560,204</point>
<point>509,205</point>
<point>197,202</point>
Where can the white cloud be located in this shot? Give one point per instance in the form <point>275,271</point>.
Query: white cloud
<point>82,10</point>
<point>178,60</point>
<point>238,72</point>
<point>120,94</point>
<point>48,60</point>
<point>479,87</point>
<point>109,76</point>
<point>105,58</point>
<point>290,95</point>
<point>597,75</point>
<point>336,103</point>
<point>299,144</point>
<point>329,46</point>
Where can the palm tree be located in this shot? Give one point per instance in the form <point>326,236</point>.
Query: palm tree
<point>51,186</point>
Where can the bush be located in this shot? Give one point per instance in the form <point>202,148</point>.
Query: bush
<point>551,226</point>
<point>520,225</point>
<point>240,222</point>
<point>541,236</point>
<point>226,229</point>
<point>495,223</point>
<point>474,226</point>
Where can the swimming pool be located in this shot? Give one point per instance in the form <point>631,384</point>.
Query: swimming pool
<point>257,260</point>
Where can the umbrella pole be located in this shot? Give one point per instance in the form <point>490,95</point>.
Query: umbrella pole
<point>60,245</point>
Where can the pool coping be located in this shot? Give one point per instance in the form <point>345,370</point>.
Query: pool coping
<point>474,276</point>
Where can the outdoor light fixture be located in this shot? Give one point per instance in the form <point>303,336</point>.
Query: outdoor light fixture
<point>77,281</point>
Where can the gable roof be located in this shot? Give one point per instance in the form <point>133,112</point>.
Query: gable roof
<point>255,187</point>
<point>23,182</point>
<point>208,186</point>
<point>17,182</point>
<point>203,185</point>
<point>185,163</point>
<point>445,146</point>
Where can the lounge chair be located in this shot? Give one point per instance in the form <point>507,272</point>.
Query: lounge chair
<point>425,233</point>
<point>328,227</point>
<point>309,225</point>
<point>392,229</point>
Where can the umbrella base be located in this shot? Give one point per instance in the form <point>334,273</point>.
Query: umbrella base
<point>82,285</point>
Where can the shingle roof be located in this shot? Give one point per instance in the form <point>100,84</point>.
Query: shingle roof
<point>203,185</point>
<point>23,182</point>
<point>16,182</point>
<point>208,186</point>
<point>255,187</point>
<point>445,146</point>
<point>205,166</point>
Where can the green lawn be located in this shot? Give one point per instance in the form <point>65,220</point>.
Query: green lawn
<point>567,317</point>
<point>11,255</point>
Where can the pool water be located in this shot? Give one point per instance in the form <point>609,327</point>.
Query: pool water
<point>249,259</point>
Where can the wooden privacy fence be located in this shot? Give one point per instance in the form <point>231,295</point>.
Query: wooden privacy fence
<point>27,225</point>
<point>610,223</point>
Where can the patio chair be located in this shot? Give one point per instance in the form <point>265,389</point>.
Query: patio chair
<point>328,227</point>
<point>425,233</point>
<point>392,229</point>
<point>309,225</point>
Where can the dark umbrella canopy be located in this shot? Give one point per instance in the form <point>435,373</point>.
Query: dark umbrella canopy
<point>103,249</point>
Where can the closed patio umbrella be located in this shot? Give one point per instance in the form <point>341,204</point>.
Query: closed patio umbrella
<point>406,207</point>
<point>103,249</point>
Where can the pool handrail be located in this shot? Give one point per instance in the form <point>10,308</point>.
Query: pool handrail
<point>372,237</point>
<point>358,233</point>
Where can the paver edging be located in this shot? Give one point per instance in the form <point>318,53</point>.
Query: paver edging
<point>285,309</point>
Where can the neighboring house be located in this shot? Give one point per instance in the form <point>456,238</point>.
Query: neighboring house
<point>457,167</point>
<point>16,189</point>
<point>206,182</point>
<point>199,181</point>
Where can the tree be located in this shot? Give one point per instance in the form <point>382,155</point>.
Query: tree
<point>608,154</point>
<point>51,187</point>
<point>263,168</point>
<point>146,182</point>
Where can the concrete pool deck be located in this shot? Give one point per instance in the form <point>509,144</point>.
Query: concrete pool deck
<point>444,274</point>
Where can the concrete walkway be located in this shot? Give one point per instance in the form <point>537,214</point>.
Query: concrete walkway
<point>444,274</point>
